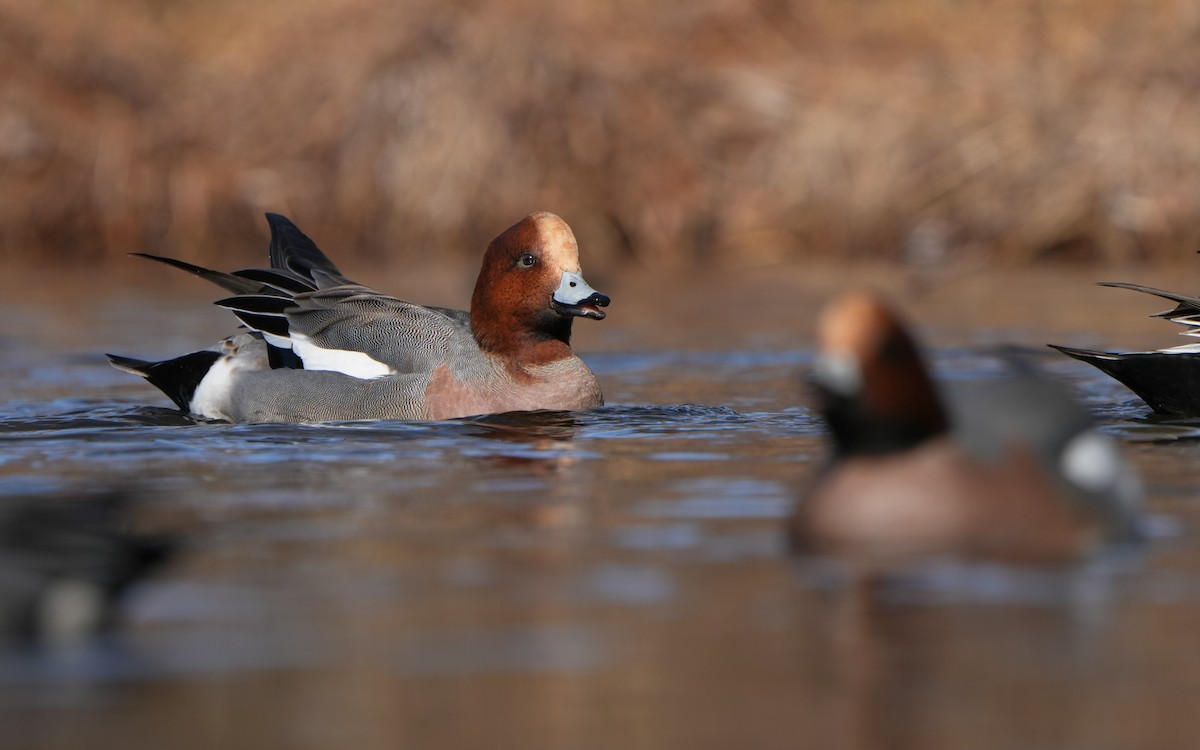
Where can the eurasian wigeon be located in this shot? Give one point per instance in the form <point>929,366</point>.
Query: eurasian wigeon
<point>1018,474</point>
<point>1168,380</point>
<point>323,348</point>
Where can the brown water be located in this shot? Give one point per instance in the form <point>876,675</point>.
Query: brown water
<point>609,579</point>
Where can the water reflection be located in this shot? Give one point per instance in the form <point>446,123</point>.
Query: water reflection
<point>899,653</point>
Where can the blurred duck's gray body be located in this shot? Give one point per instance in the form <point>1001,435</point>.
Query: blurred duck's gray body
<point>323,348</point>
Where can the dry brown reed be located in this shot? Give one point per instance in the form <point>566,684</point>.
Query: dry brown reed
<point>709,132</point>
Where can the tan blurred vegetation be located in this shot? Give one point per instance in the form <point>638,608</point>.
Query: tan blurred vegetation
<point>698,132</point>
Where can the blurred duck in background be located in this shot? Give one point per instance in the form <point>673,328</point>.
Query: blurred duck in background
<point>1168,380</point>
<point>1016,474</point>
<point>65,563</point>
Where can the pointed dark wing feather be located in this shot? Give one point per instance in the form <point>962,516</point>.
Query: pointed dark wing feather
<point>293,251</point>
<point>273,324</point>
<point>258,303</point>
<point>229,282</point>
<point>1186,305</point>
<point>284,281</point>
<point>261,312</point>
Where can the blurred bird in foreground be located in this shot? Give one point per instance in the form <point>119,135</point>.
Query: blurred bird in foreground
<point>65,562</point>
<point>1016,473</point>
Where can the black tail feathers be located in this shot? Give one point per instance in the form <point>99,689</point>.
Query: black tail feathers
<point>178,378</point>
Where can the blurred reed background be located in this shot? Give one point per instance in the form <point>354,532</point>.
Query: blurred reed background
<point>702,133</point>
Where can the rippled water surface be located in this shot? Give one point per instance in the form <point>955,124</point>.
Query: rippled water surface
<point>616,578</point>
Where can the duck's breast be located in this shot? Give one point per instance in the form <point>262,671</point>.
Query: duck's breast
<point>489,387</point>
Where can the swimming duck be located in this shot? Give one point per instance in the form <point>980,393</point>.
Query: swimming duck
<point>1016,473</point>
<point>1168,380</point>
<point>321,347</point>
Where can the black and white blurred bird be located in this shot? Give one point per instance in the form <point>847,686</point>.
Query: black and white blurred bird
<point>65,562</point>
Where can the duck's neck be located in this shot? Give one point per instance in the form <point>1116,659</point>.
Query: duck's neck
<point>877,438</point>
<point>859,429</point>
<point>516,342</point>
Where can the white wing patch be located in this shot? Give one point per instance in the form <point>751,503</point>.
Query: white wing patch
<point>355,364</point>
<point>1091,461</point>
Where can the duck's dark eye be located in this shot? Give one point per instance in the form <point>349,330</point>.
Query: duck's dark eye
<point>526,260</point>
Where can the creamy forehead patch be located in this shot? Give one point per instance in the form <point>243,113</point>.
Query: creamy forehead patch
<point>854,324</point>
<point>560,246</point>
